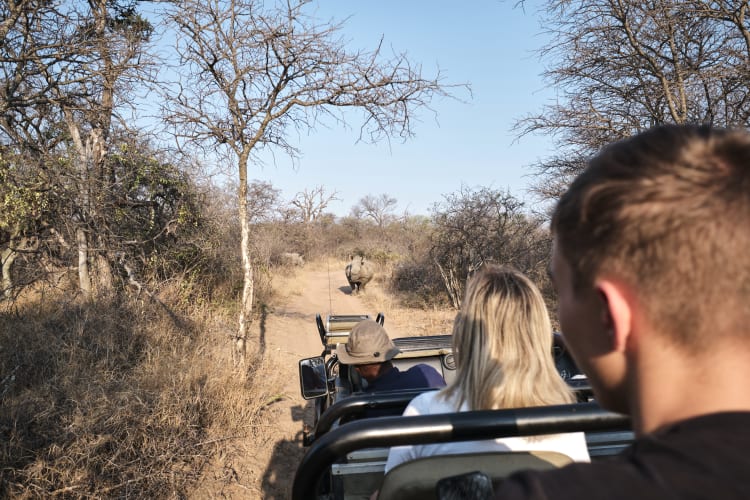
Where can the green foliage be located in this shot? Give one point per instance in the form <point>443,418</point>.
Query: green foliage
<point>130,23</point>
<point>153,214</point>
<point>23,199</point>
<point>147,220</point>
<point>154,195</point>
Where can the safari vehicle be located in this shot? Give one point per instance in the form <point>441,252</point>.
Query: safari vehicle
<point>348,448</point>
<point>337,388</point>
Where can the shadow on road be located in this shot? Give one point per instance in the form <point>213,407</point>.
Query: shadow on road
<point>286,455</point>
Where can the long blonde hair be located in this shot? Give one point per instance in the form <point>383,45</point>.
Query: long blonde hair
<point>502,341</point>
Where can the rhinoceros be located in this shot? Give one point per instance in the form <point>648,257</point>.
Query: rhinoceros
<point>359,272</point>
<point>292,259</point>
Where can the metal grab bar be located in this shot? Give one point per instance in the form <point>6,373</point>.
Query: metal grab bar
<point>358,403</point>
<point>463,426</point>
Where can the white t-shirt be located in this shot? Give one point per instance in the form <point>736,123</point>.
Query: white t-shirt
<point>431,403</point>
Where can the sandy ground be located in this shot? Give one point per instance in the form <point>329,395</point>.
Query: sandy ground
<point>266,470</point>
<point>292,335</point>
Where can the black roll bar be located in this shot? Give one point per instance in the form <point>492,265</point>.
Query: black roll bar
<point>321,329</point>
<point>358,403</point>
<point>464,426</point>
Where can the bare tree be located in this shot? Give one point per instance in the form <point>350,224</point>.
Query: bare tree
<point>310,203</point>
<point>621,66</point>
<point>263,200</point>
<point>378,208</point>
<point>255,72</point>
<point>474,226</point>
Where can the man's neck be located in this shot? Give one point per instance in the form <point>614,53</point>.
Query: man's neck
<point>671,385</point>
<point>383,368</point>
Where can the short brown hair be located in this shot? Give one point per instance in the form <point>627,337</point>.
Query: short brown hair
<point>668,212</point>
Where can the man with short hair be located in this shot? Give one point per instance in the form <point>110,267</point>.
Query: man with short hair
<point>651,263</point>
<point>370,350</point>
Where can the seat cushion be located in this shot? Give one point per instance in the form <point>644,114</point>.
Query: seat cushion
<point>416,480</point>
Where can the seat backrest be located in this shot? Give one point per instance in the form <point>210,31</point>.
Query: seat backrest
<point>416,479</point>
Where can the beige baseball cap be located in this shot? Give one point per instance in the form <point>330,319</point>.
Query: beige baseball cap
<point>368,343</point>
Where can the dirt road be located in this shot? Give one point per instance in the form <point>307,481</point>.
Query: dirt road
<point>289,334</point>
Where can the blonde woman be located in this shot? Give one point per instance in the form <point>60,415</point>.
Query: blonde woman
<point>502,341</point>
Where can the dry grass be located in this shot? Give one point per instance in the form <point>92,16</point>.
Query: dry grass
<point>285,282</point>
<point>241,427</point>
<point>117,400</point>
<point>131,400</point>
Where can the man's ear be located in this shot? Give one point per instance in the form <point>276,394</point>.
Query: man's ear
<point>617,312</point>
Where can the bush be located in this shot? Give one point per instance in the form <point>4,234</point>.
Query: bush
<point>474,226</point>
<point>100,400</point>
<point>418,285</point>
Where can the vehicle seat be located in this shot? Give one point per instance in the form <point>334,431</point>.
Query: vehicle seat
<point>416,479</point>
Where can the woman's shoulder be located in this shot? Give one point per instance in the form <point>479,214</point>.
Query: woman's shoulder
<point>430,402</point>
<point>423,401</point>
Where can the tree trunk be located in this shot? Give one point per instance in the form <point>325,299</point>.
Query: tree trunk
<point>100,137</point>
<point>246,307</point>
<point>84,278</point>
<point>451,285</point>
<point>84,160</point>
<point>7,257</point>
<point>104,278</point>
<point>90,147</point>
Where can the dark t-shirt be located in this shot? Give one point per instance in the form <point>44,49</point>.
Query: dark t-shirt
<point>706,457</point>
<point>416,377</point>
<point>419,376</point>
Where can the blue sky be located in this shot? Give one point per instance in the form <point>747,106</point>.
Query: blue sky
<point>489,44</point>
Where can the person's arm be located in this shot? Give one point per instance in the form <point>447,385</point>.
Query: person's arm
<point>579,450</point>
<point>400,454</point>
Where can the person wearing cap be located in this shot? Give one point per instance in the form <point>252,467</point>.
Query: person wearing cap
<point>369,350</point>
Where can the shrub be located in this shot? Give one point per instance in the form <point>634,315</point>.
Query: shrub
<point>100,400</point>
